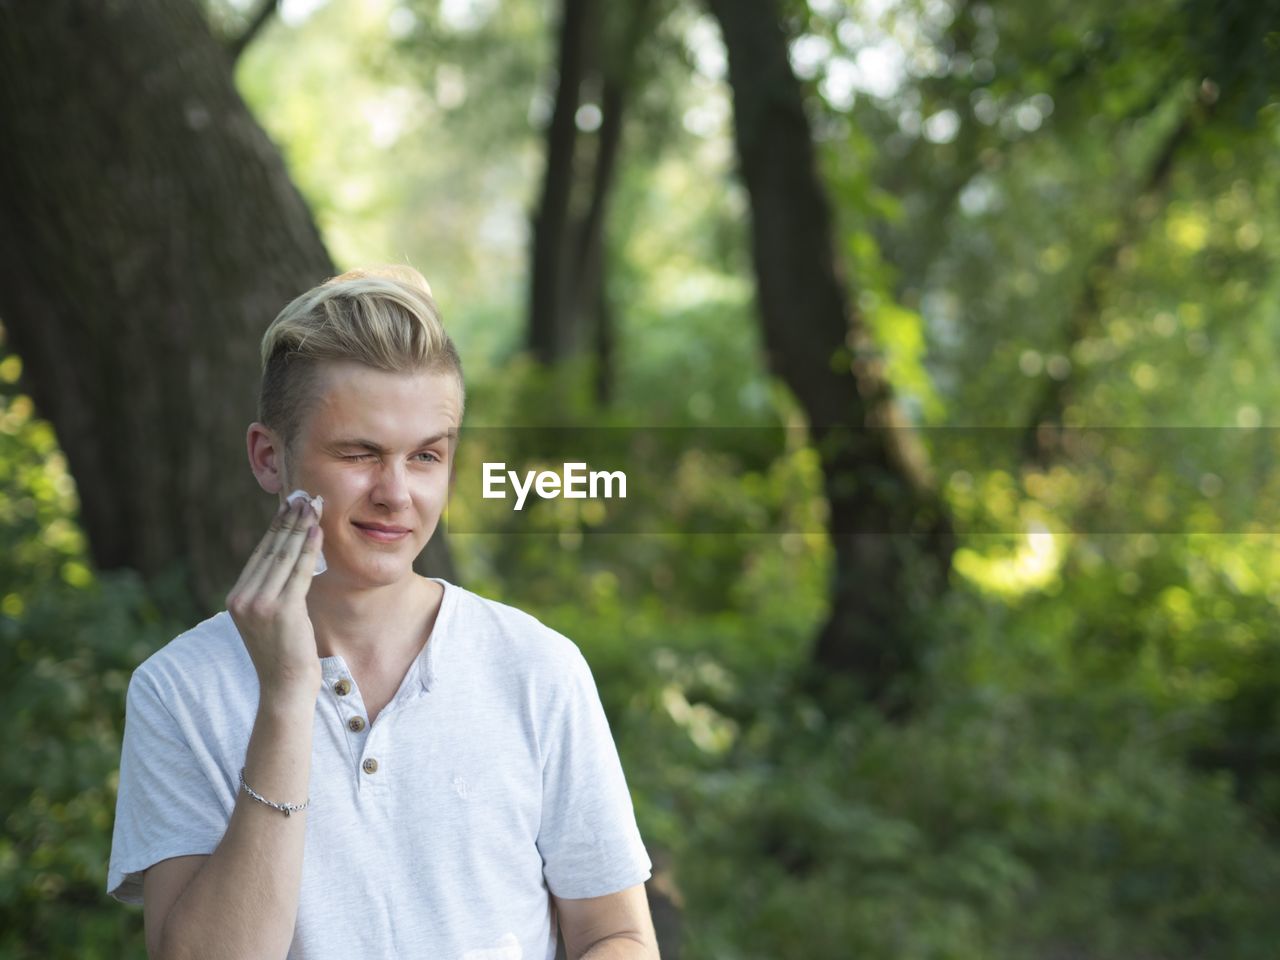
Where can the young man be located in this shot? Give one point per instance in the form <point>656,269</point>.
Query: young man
<point>369,763</point>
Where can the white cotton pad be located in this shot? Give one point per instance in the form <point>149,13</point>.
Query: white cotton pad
<point>318,504</point>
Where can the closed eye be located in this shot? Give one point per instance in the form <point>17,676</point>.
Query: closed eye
<point>432,457</point>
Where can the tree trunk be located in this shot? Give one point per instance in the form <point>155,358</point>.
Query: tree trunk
<point>568,311</point>
<point>590,307</point>
<point>891,539</point>
<point>148,234</point>
<point>549,332</point>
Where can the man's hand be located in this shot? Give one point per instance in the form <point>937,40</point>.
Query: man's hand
<point>269,604</point>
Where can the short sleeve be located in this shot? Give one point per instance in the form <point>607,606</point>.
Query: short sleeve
<point>166,804</point>
<point>588,837</point>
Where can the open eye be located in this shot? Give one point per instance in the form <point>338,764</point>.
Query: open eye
<point>431,457</point>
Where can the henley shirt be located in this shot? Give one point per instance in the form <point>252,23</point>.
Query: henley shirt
<point>487,783</point>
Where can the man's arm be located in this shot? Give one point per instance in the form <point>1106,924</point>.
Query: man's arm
<point>241,901</point>
<point>613,927</point>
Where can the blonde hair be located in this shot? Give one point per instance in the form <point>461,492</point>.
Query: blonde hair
<point>383,317</point>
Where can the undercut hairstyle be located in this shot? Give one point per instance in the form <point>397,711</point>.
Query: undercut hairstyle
<point>383,317</point>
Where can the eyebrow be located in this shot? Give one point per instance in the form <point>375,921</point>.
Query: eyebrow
<point>376,448</point>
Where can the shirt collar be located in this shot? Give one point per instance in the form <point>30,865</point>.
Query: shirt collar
<point>426,665</point>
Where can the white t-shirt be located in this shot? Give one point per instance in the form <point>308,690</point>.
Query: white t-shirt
<point>496,781</point>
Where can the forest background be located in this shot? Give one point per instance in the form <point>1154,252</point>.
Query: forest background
<point>943,624</point>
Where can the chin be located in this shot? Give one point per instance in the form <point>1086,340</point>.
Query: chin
<point>375,574</point>
<point>387,572</point>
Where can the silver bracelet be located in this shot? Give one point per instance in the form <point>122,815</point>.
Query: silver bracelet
<point>285,808</point>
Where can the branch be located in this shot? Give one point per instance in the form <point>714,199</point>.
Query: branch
<point>1053,399</point>
<point>264,13</point>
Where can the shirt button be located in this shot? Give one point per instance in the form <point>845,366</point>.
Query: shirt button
<point>370,765</point>
<point>355,724</point>
<point>342,687</point>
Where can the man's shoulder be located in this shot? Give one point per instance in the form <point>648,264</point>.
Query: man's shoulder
<point>513,632</point>
<point>211,647</point>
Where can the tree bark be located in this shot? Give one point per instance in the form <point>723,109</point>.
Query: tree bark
<point>891,539</point>
<point>149,232</point>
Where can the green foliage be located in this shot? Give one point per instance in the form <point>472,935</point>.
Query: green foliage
<point>69,640</point>
<point>41,543</point>
<point>67,662</point>
<point>983,828</point>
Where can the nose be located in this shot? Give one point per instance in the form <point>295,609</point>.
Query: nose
<point>391,486</point>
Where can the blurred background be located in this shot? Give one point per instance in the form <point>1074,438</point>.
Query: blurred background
<point>883,688</point>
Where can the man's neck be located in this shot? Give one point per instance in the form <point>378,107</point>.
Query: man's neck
<point>380,625</point>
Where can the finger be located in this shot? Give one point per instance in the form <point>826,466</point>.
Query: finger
<point>285,557</point>
<point>300,578</point>
<point>277,552</point>
<point>280,580</point>
<point>261,549</point>
<point>284,550</point>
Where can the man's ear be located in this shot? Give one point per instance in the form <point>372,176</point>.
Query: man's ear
<point>266,457</point>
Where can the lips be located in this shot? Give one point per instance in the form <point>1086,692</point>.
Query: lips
<point>381,532</point>
<point>381,528</point>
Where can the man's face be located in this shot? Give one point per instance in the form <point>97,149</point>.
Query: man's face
<point>378,447</point>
